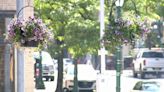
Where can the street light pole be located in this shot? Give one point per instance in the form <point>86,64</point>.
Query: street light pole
<point>119,4</point>
<point>102,80</point>
<point>118,69</point>
<point>102,48</point>
<point>118,63</point>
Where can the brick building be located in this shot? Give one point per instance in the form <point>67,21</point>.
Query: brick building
<point>7,11</point>
<point>12,76</point>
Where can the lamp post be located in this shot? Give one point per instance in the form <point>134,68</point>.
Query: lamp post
<point>102,50</point>
<point>119,4</point>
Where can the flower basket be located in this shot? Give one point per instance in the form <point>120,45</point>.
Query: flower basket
<point>28,32</point>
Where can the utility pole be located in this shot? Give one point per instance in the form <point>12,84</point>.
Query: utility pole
<point>102,81</point>
<point>102,51</point>
<point>22,53</point>
<point>19,5</point>
<point>20,60</point>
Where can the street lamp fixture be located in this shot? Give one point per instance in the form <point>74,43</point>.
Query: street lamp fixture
<point>119,4</point>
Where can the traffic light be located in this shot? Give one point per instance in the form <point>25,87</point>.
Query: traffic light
<point>38,74</point>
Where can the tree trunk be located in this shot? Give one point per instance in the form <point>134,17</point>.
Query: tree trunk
<point>60,73</point>
<point>75,87</point>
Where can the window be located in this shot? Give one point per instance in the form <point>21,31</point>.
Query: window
<point>153,55</point>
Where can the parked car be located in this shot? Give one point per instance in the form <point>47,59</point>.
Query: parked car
<point>86,78</point>
<point>148,86</point>
<point>149,62</point>
<point>48,68</point>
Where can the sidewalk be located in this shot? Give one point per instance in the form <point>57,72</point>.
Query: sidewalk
<point>50,86</point>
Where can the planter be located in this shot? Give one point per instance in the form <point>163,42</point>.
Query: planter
<point>30,44</point>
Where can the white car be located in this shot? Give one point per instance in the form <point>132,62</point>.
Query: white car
<point>148,62</point>
<point>86,78</point>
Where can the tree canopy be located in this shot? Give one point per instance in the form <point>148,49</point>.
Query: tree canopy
<point>73,21</point>
<point>76,22</point>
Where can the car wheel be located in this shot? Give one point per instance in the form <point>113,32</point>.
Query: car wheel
<point>52,78</point>
<point>47,78</point>
<point>134,74</point>
<point>66,90</point>
<point>142,75</point>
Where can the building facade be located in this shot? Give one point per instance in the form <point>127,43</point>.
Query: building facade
<point>7,12</point>
<point>9,63</point>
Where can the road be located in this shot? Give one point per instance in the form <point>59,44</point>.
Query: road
<point>127,82</point>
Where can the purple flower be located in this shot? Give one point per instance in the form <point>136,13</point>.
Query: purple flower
<point>125,41</point>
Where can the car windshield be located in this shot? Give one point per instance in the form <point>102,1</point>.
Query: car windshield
<point>150,87</point>
<point>147,86</point>
<point>153,55</point>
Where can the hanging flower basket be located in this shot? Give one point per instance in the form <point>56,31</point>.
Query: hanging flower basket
<point>28,32</point>
<point>124,31</point>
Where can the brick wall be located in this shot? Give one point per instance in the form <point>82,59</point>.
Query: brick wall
<point>7,4</point>
<point>10,5</point>
<point>1,69</point>
<point>29,10</point>
<point>1,57</point>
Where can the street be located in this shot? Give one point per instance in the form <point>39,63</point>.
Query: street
<point>127,82</point>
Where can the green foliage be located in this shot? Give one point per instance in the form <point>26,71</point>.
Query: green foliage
<point>140,12</point>
<point>75,21</point>
<point>144,8</point>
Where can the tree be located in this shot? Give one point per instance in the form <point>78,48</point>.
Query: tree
<point>73,22</point>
